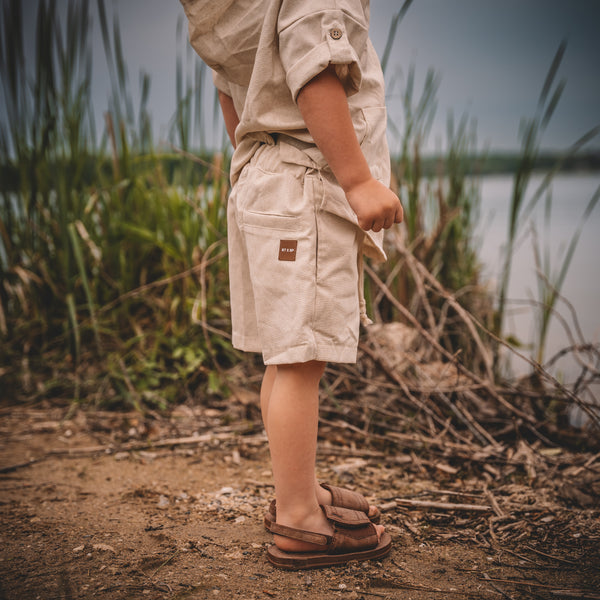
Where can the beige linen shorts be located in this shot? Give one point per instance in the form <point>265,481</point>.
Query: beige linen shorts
<point>293,261</point>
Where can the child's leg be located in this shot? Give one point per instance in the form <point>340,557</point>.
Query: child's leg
<point>265,393</point>
<point>292,424</point>
<point>323,496</point>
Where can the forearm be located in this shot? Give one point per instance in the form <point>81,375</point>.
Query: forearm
<point>324,108</point>
<point>230,115</point>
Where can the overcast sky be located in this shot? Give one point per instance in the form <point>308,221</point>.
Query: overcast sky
<point>492,57</point>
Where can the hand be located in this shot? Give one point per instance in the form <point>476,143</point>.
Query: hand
<point>375,205</point>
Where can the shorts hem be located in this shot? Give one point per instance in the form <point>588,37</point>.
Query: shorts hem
<point>299,354</point>
<point>245,344</point>
<point>308,352</point>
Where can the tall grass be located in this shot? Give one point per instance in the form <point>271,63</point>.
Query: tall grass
<point>46,149</point>
<point>521,207</point>
<point>441,214</point>
<point>550,278</point>
<point>531,132</point>
<point>107,246</point>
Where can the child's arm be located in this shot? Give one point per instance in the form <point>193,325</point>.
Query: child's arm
<point>324,107</point>
<point>229,114</point>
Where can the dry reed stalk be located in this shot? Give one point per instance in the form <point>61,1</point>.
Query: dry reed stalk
<point>424,275</point>
<point>488,385</point>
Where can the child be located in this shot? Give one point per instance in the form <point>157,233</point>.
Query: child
<point>301,92</point>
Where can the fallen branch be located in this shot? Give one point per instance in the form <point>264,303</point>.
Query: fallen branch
<point>557,558</point>
<point>444,505</point>
<point>21,465</point>
<point>145,445</point>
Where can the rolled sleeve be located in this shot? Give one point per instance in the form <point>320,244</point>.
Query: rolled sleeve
<point>310,42</point>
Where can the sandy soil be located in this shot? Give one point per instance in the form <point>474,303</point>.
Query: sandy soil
<point>89,510</point>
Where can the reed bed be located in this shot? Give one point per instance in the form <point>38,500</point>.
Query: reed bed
<point>113,252</point>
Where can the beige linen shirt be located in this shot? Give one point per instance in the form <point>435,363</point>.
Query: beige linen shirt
<point>263,52</point>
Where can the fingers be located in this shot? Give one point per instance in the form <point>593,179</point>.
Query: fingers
<point>384,222</point>
<point>365,224</point>
<point>399,216</point>
<point>375,205</point>
<point>379,225</point>
<point>376,224</point>
<point>393,214</point>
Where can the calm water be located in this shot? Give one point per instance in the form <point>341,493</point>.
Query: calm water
<point>570,195</point>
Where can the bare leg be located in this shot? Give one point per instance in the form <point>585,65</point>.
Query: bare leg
<point>265,393</point>
<point>323,496</point>
<point>292,422</point>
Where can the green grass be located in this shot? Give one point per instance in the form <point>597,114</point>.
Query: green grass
<point>96,235</point>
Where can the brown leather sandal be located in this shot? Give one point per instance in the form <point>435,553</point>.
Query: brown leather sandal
<point>340,497</point>
<point>354,538</point>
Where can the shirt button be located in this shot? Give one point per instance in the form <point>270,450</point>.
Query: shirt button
<point>335,34</point>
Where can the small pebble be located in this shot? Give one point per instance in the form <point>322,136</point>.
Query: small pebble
<point>104,548</point>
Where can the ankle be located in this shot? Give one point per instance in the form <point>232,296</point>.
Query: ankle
<point>307,519</point>
<point>298,514</point>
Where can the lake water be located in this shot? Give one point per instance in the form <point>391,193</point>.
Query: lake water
<point>570,195</point>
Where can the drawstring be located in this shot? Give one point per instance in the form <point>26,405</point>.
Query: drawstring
<point>362,303</point>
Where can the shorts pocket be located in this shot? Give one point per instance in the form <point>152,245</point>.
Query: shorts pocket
<point>276,222</point>
<point>271,201</point>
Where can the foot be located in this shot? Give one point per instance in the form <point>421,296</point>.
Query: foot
<point>313,521</point>
<point>324,497</point>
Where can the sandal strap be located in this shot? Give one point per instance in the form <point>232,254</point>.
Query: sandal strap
<point>340,497</point>
<point>352,531</point>
<point>301,535</point>
<point>346,518</point>
<point>347,498</point>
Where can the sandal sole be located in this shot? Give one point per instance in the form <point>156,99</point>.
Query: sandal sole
<point>294,561</point>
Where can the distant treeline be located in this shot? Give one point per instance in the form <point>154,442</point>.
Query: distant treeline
<point>93,170</point>
<point>491,164</point>
<point>498,163</point>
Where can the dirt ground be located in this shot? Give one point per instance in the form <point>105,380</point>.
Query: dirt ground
<point>114,506</point>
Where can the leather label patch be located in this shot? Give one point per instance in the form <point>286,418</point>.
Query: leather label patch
<point>287,249</point>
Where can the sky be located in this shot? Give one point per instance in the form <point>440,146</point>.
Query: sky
<point>491,57</point>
